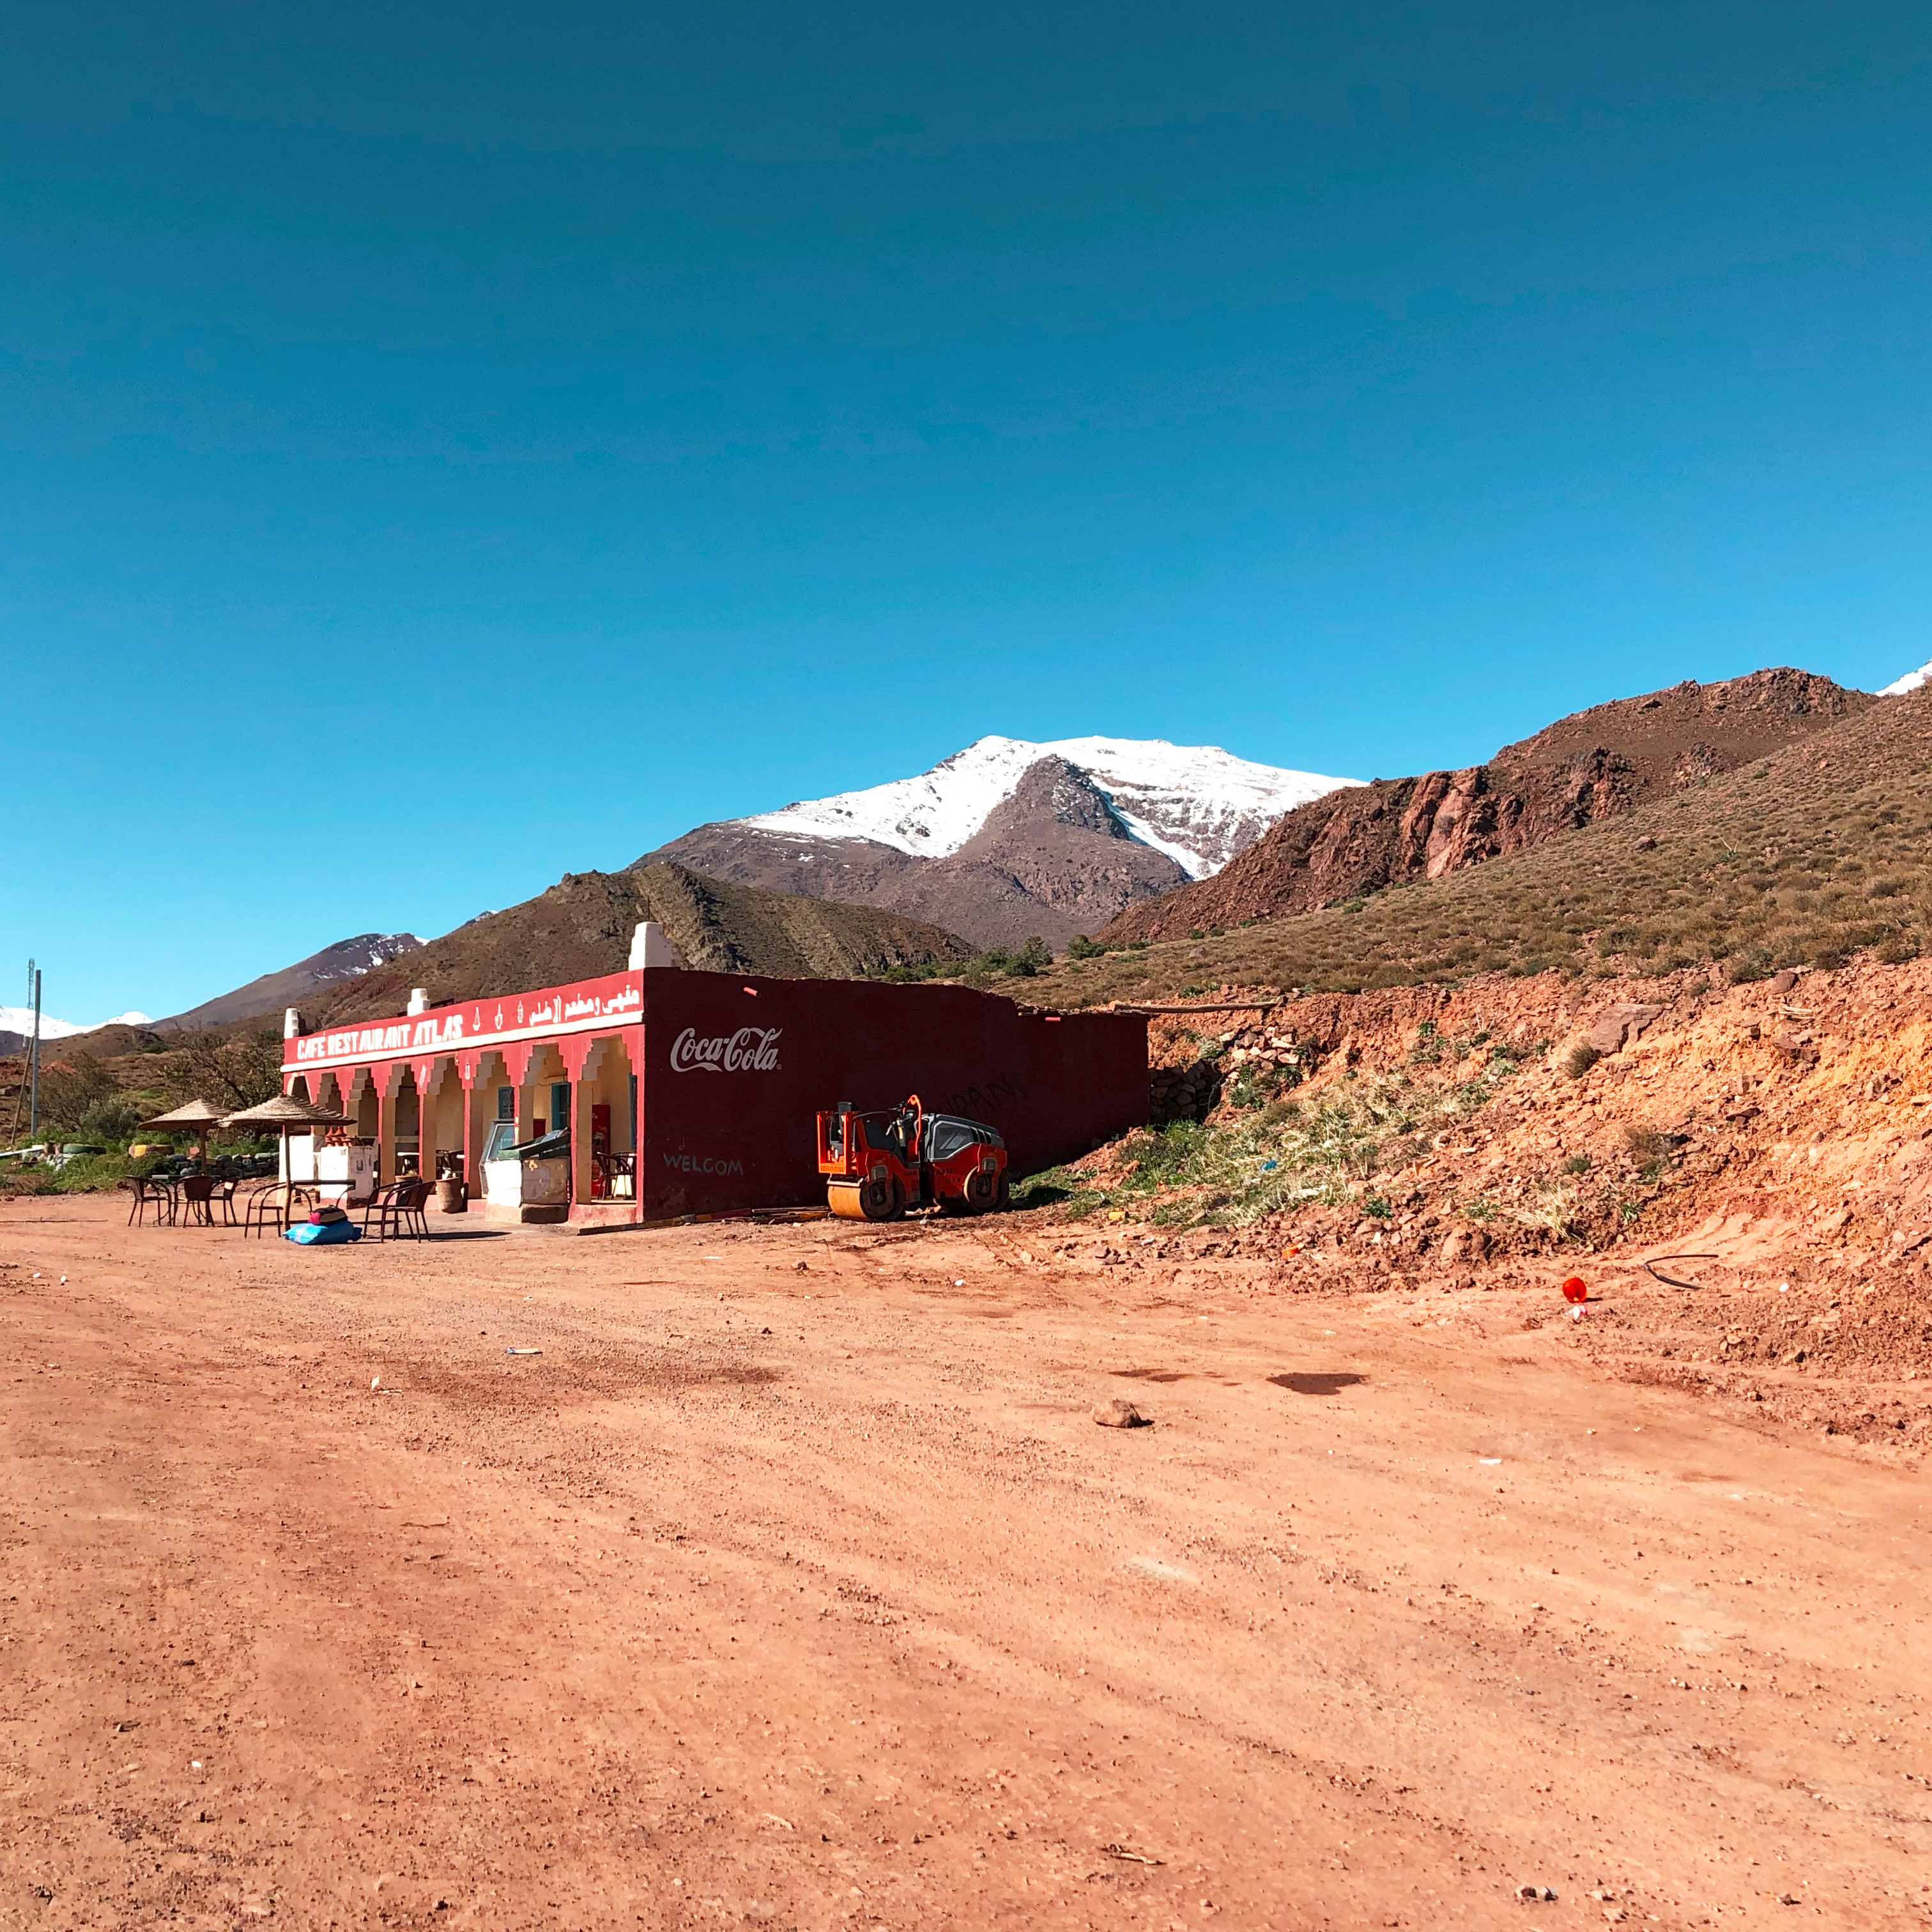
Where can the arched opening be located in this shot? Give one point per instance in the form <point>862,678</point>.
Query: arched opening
<point>607,1109</point>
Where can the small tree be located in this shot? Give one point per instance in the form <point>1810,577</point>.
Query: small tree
<point>72,1087</point>
<point>233,1073</point>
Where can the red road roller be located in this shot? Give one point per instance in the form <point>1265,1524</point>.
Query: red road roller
<point>877,1165</point>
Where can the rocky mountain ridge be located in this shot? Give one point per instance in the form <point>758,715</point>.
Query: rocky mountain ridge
<point>1595,764</point>
<point>581,927</point>
<point>16,1027</point>
<point>346,959</point>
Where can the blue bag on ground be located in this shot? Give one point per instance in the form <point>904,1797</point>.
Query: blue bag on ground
<point>333,1235</point>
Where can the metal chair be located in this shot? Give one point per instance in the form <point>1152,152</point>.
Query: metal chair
<point>197,1196</point>
<point>146,1194</point>
<point>614,1176</point>
<point>398,1209</point>
<point>273,1204</point>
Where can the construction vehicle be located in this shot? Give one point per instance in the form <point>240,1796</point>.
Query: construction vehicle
<point>877,1165</point>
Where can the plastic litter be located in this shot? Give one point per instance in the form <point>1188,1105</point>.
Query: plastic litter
<point>522,1352</point>
<point>318,1234</point>
<point>1672,1280</point>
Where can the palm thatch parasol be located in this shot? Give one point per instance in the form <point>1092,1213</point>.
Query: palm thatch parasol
<point>288,1113</point>
<point>197,1114</point>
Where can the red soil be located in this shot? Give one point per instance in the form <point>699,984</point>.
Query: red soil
<point>792,1584</point>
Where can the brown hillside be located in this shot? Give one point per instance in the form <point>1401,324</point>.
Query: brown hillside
<point>1598,764</point>
<point>582,927</point>
<point>1802,858</point>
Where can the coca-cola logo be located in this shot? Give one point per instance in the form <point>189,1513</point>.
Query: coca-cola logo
<point>749,1050</point>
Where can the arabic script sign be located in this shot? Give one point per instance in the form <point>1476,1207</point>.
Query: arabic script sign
<point>563,1010</point>
<point>749,1050</point>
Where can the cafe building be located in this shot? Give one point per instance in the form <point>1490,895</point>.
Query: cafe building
<point>659,1092</point>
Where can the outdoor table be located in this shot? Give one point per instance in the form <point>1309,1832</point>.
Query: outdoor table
<point>283,1112</point>
<point>276,1201</point>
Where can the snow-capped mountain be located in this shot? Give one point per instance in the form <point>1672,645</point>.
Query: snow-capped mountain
<point>1196,803</point>
<point>20,1020</point>
<point>1011,838</point>
<point>1911,681</point>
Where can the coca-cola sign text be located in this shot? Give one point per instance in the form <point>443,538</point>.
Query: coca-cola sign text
<point>749,1050</point>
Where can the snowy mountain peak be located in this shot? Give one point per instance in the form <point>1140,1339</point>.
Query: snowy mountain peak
<point>20,1020</point>
<point>1911,681</point>
<point>346,959</point>
<point>1196,803</point>
<point>350,958</point>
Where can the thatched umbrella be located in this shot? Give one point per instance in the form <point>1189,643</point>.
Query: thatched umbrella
<point>288,1113</point>
<point>197,1114</point>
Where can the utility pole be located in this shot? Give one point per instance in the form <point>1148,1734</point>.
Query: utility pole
<point>34,1055</point>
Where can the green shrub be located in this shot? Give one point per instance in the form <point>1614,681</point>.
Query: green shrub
<point>111,1120</point>
<point>85,1173</point>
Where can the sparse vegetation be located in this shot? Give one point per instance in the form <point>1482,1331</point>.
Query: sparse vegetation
<point>1803,859</point>
<point>1272,1153</point>
<point>88,1099</point>
<point>996,963</point>
<point>1652,1151</point>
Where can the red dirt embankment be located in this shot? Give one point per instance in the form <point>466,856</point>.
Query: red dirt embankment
<point>1780,1132</point>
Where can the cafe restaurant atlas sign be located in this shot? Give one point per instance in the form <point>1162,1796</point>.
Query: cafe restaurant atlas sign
<point>617,1000</point>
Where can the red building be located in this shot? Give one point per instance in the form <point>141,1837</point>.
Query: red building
<point>690,1092</point>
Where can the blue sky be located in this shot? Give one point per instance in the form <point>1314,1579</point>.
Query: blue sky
<point>441,448</point>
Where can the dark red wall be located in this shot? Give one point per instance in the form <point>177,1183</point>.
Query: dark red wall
<point>744,1138</point>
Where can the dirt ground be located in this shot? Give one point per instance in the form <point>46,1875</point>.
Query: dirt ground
<point>792,1584</point>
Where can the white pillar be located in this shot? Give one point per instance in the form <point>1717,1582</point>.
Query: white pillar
<point>649,947</point>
